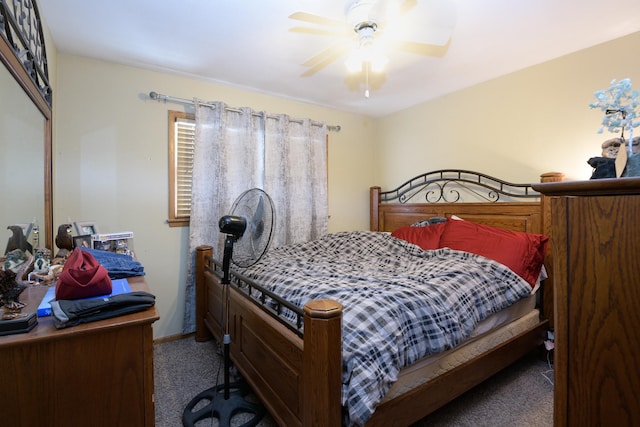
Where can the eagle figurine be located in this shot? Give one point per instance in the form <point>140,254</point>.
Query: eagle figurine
<point>64,241</point>
<point>11,286</point>
<point>17,240</point>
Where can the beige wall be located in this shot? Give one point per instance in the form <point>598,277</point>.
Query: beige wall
<point>111,156</point>
<point>110,144</point>
<point>514,127</point>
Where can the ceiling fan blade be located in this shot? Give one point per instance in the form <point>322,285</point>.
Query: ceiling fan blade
<point>430,22</point>
<point>318,31</point>
<point>329,54</point>
<point>406,5</point>
<point>324,58</point>
<point>423,49</point>
<point>317,19</point>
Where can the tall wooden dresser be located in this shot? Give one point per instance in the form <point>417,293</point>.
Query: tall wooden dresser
<point>596,242</point>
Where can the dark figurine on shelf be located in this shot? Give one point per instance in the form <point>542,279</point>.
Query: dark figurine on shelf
<point>11,286</point>
<point>17,240</point>
<point>64,241</point>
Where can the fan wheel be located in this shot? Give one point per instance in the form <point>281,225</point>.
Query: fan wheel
<point>256,207</point>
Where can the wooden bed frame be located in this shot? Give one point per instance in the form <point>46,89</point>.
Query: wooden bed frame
<point>298,376</point>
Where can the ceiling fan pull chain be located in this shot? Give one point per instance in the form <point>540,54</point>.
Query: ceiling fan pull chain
<point>366,70</point>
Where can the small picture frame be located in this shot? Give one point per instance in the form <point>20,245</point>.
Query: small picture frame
<point>86,227</point>
<point>83,241</point>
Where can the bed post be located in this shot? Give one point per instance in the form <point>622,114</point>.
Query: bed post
<point>374,202</point>
<point>202,252</point>
<point>545,207</point>
<point>322,364</point>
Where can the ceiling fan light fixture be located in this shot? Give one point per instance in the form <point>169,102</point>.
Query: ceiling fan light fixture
<point>369,53</point>
<point>364,55</point>
<point>373,54</point>
<point>378,63</point>
<point>354,62</point>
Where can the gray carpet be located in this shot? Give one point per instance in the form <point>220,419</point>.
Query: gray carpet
<point>519,396</point>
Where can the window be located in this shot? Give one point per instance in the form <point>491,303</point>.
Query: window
<point>182,128</point>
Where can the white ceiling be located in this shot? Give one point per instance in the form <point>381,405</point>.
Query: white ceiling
<point>248,44</point>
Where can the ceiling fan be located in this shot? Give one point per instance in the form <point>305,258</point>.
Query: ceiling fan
<point>373,28</point>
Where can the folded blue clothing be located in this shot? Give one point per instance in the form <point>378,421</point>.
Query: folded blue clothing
<point>118,265</point>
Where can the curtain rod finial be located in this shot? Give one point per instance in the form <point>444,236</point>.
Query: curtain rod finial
<point>158,97</point>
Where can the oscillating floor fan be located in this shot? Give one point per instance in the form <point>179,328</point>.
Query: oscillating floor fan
<point>249,226</point>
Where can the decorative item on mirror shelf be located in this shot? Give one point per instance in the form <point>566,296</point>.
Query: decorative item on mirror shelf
<point>12,282</point>
<point>82,241</point>
<point>19,239</point>
<point>14,260</point>
<point>85,227</point>
<point>38,269</point>
<point>64,241</point>
<point>620,104</point>
<point>120,243</point>
<point>13,319</point>
<point>35,239</point>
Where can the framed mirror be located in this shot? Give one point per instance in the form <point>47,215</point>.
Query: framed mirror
<point>25,125</point>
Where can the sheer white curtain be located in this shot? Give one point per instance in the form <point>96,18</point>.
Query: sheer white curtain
<point>296,177</point>
<point>237,149</point>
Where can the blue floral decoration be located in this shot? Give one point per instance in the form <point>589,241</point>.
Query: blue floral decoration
<point>620,105</point>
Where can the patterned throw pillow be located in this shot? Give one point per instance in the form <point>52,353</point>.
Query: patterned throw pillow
<point>429,221</point>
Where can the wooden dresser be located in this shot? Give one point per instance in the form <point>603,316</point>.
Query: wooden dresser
<point>596,243</point>
<point>95,374</point>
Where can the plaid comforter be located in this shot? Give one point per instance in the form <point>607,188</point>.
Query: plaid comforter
<point>401,303</point>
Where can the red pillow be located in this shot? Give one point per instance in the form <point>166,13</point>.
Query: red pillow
<point>522,252</point>
<point>426,237</point>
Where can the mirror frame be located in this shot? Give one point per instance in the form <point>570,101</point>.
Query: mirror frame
<point>27,41</point>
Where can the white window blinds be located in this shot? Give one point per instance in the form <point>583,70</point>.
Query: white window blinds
<point>184,137</point>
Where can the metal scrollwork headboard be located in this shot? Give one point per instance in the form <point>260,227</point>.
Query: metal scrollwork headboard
<point>21,28</point>
<point>448,185</point>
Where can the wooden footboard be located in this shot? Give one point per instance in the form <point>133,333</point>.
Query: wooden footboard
<point>299,381</point>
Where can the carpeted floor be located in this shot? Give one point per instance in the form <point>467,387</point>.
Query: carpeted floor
<point>520,396</point>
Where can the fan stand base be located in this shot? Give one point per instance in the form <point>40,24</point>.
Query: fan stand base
<point>223,409</point>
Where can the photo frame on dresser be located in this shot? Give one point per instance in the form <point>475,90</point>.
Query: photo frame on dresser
<point>85,227</point>
<point>84,241</point>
